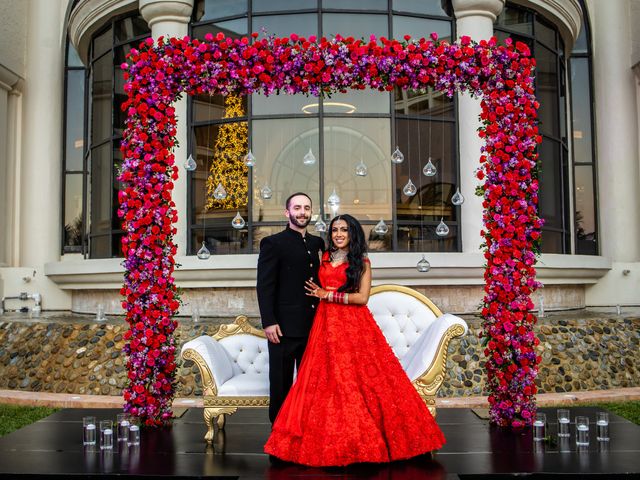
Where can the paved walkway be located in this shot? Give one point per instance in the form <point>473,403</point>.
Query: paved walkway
<point>65,400</point>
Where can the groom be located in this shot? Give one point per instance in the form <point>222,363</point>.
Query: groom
<point>287,260</point>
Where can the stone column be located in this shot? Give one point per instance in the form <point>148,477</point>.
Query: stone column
<point>41,163</point>
<point>171,19</point>
<point>617,132</point>
<point>473,18</point>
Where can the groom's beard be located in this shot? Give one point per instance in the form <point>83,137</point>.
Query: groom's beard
<point>300,222</point>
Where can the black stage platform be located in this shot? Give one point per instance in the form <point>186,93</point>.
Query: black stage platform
<point>52,448</point>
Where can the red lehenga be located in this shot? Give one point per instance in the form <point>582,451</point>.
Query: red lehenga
<point>351,402</point>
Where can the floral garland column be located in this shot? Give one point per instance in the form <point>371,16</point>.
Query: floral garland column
<point>170,18</point>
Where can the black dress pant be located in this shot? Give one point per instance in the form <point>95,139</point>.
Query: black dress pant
<point>283,357</point>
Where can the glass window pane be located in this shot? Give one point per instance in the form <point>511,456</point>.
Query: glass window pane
<point>284,25</point>
<point>101,189</point>
<point>356,4</point>
<point>430,103</point>
<point>354,25</point>
<point>231,28</point>
<point>212,9</point>
<point>73,228</point>
<point>130,27</point>
<point>347,141</point>
<point>551,241</point>
<point>101,85</point>
<point>357,101</point>
<point>422,6</point>
<point>581,110</point>
<point>102,43</point>
<point>550,201</point>
<point>216,107</point>
<point>116,221</point>
<point>516,20</point>
<point>433,200</point>
<point>547,91</point>
<point>502,36</point>
<point>585,217</point>
<point>74,139</point>
<point>281,146</point>
<point>545,34</point>
<point>220,150</point>
<point>423,238</point>
<point>279,5</point>
<point>116,245</point>
<point>377,242</point>
<point>581,45</point>
<point>99,247</point>
<point>220,237</point>
<point>120,117</point>
<point>420,27</point>
<point>73,59</point>
<point>284,104</point>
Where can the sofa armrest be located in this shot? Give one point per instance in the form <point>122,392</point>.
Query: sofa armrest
<point>430,350</point>
<point>212,359</point>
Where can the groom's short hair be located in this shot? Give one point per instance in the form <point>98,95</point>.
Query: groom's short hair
<point>295,195</point>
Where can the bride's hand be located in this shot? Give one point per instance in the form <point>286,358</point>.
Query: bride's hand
<point>314,290</point>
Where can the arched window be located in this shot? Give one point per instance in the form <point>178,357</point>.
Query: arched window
<point>547,46</point>
<point>342,132</point>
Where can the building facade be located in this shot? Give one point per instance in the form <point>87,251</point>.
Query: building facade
<point>60,125</point>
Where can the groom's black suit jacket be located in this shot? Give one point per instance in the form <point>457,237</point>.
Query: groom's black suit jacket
<point>286,261</point>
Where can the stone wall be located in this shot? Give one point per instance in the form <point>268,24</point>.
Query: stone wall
<point>581,350</point>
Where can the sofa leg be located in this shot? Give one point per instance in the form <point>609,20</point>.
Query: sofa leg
<point>220,420</point>
<point>208,420</point>
<point>218,414</point>
<point>430,400</point>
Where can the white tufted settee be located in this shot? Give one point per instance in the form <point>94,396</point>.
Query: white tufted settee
<point>234,363</point>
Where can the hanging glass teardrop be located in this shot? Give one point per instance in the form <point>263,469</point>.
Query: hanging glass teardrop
<point>320,225</point>
<point>266,192</point>
<point>334,200</point>
<point>204,252</point>
<point>429,169</point>
<point>309,158</point>
<point>397,156</point>
<point>361,169</point>
<point>423,265</point>
<point>442,230</point>
<point>238,222</point>
<point>220,193</point>
<point>190,165</point>
<point>381,228</point>
<point>458,198</point>
<point>409,189</point>
<point>249,159</point>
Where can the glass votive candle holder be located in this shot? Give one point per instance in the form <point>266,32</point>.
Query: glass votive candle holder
<point>89,430</point>
<point>540,426</point>
<point>106,435</point>
<point>564,420</point>
<point>123,423</point>
<point>602,426</point>
<point>582,431</point>
<point>134,434</point>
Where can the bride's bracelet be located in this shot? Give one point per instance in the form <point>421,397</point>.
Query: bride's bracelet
<point>337,297</point>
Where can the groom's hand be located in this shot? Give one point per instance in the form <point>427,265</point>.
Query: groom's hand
<point>273,333</point>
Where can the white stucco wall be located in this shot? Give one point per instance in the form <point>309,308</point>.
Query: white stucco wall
<point>13,35</point>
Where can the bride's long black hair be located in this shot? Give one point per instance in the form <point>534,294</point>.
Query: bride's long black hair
<point>356,254</point>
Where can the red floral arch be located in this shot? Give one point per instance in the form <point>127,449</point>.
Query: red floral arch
<point>501,75</point>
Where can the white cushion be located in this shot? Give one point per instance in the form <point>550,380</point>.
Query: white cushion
<point>251,384</point>
<point>248,353</point>
<point>402,319</point>
<point>422,353</point>
<point>216,357</point>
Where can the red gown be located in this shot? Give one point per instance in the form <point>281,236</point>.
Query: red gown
<point>352,401</point>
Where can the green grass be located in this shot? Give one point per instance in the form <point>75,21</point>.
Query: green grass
<point>13,417</point>
<point>629,410</point>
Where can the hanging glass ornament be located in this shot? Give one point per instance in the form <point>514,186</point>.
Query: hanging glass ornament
<point>220,193</point>
<point>409,189</point>
<point>334,200</point>
<point>458,198</point>
<point>381,228</point>
<point>266,192</point>
<point>238,222</point>
<point>423,265</point>
<point>397,156</point>
<point>190,165</point>
<point>320,225</point>
<point>442,230</point>
<point>429,169</point>
<point>204,252</point>
<point>249,159</point>
<point>309,158</point>
<point>361,169</point>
